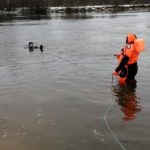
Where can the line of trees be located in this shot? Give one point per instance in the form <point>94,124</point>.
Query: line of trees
<point>12,4</point>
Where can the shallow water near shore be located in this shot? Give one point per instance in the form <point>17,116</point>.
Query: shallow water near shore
<point>56,100</point>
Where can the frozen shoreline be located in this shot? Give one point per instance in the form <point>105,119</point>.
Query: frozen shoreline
<point>80,9</point>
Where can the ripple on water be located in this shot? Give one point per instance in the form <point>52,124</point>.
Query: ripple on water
<point>10,129</point>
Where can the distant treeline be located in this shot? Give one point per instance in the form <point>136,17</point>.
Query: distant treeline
<point>12,4</point>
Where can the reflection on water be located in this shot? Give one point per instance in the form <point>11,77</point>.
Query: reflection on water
<point>127,99</point>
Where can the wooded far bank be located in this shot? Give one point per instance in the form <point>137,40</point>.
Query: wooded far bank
<point>13,4</point>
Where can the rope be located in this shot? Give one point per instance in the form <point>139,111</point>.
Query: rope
<point>108,125</point>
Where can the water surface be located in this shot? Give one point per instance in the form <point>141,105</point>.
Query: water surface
<point>56,100</point>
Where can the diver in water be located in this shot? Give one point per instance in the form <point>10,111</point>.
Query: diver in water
<point>41,48</point>
<point>127,68</point>
<point>30,46</point>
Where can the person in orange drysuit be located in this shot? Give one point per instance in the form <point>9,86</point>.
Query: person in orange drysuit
<point>128,58</point>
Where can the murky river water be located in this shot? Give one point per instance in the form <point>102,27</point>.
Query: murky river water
<point>56,100</point>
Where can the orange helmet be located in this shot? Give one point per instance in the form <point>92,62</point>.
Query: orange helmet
<point>130,38</point>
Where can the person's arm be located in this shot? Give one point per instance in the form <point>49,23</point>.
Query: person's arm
<point>122,63</point>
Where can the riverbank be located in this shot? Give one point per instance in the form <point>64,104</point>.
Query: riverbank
<point>100,8</point>
<point>80,9</point>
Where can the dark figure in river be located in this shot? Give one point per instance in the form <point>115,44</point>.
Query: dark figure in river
<point>31,46</point>
<point>41,48</point>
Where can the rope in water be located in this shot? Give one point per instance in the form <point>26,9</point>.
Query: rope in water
<point>108,125</point>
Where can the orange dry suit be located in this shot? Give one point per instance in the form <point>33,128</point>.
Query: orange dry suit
<point>128,64</point>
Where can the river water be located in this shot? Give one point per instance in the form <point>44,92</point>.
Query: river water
<point>58,99</point>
